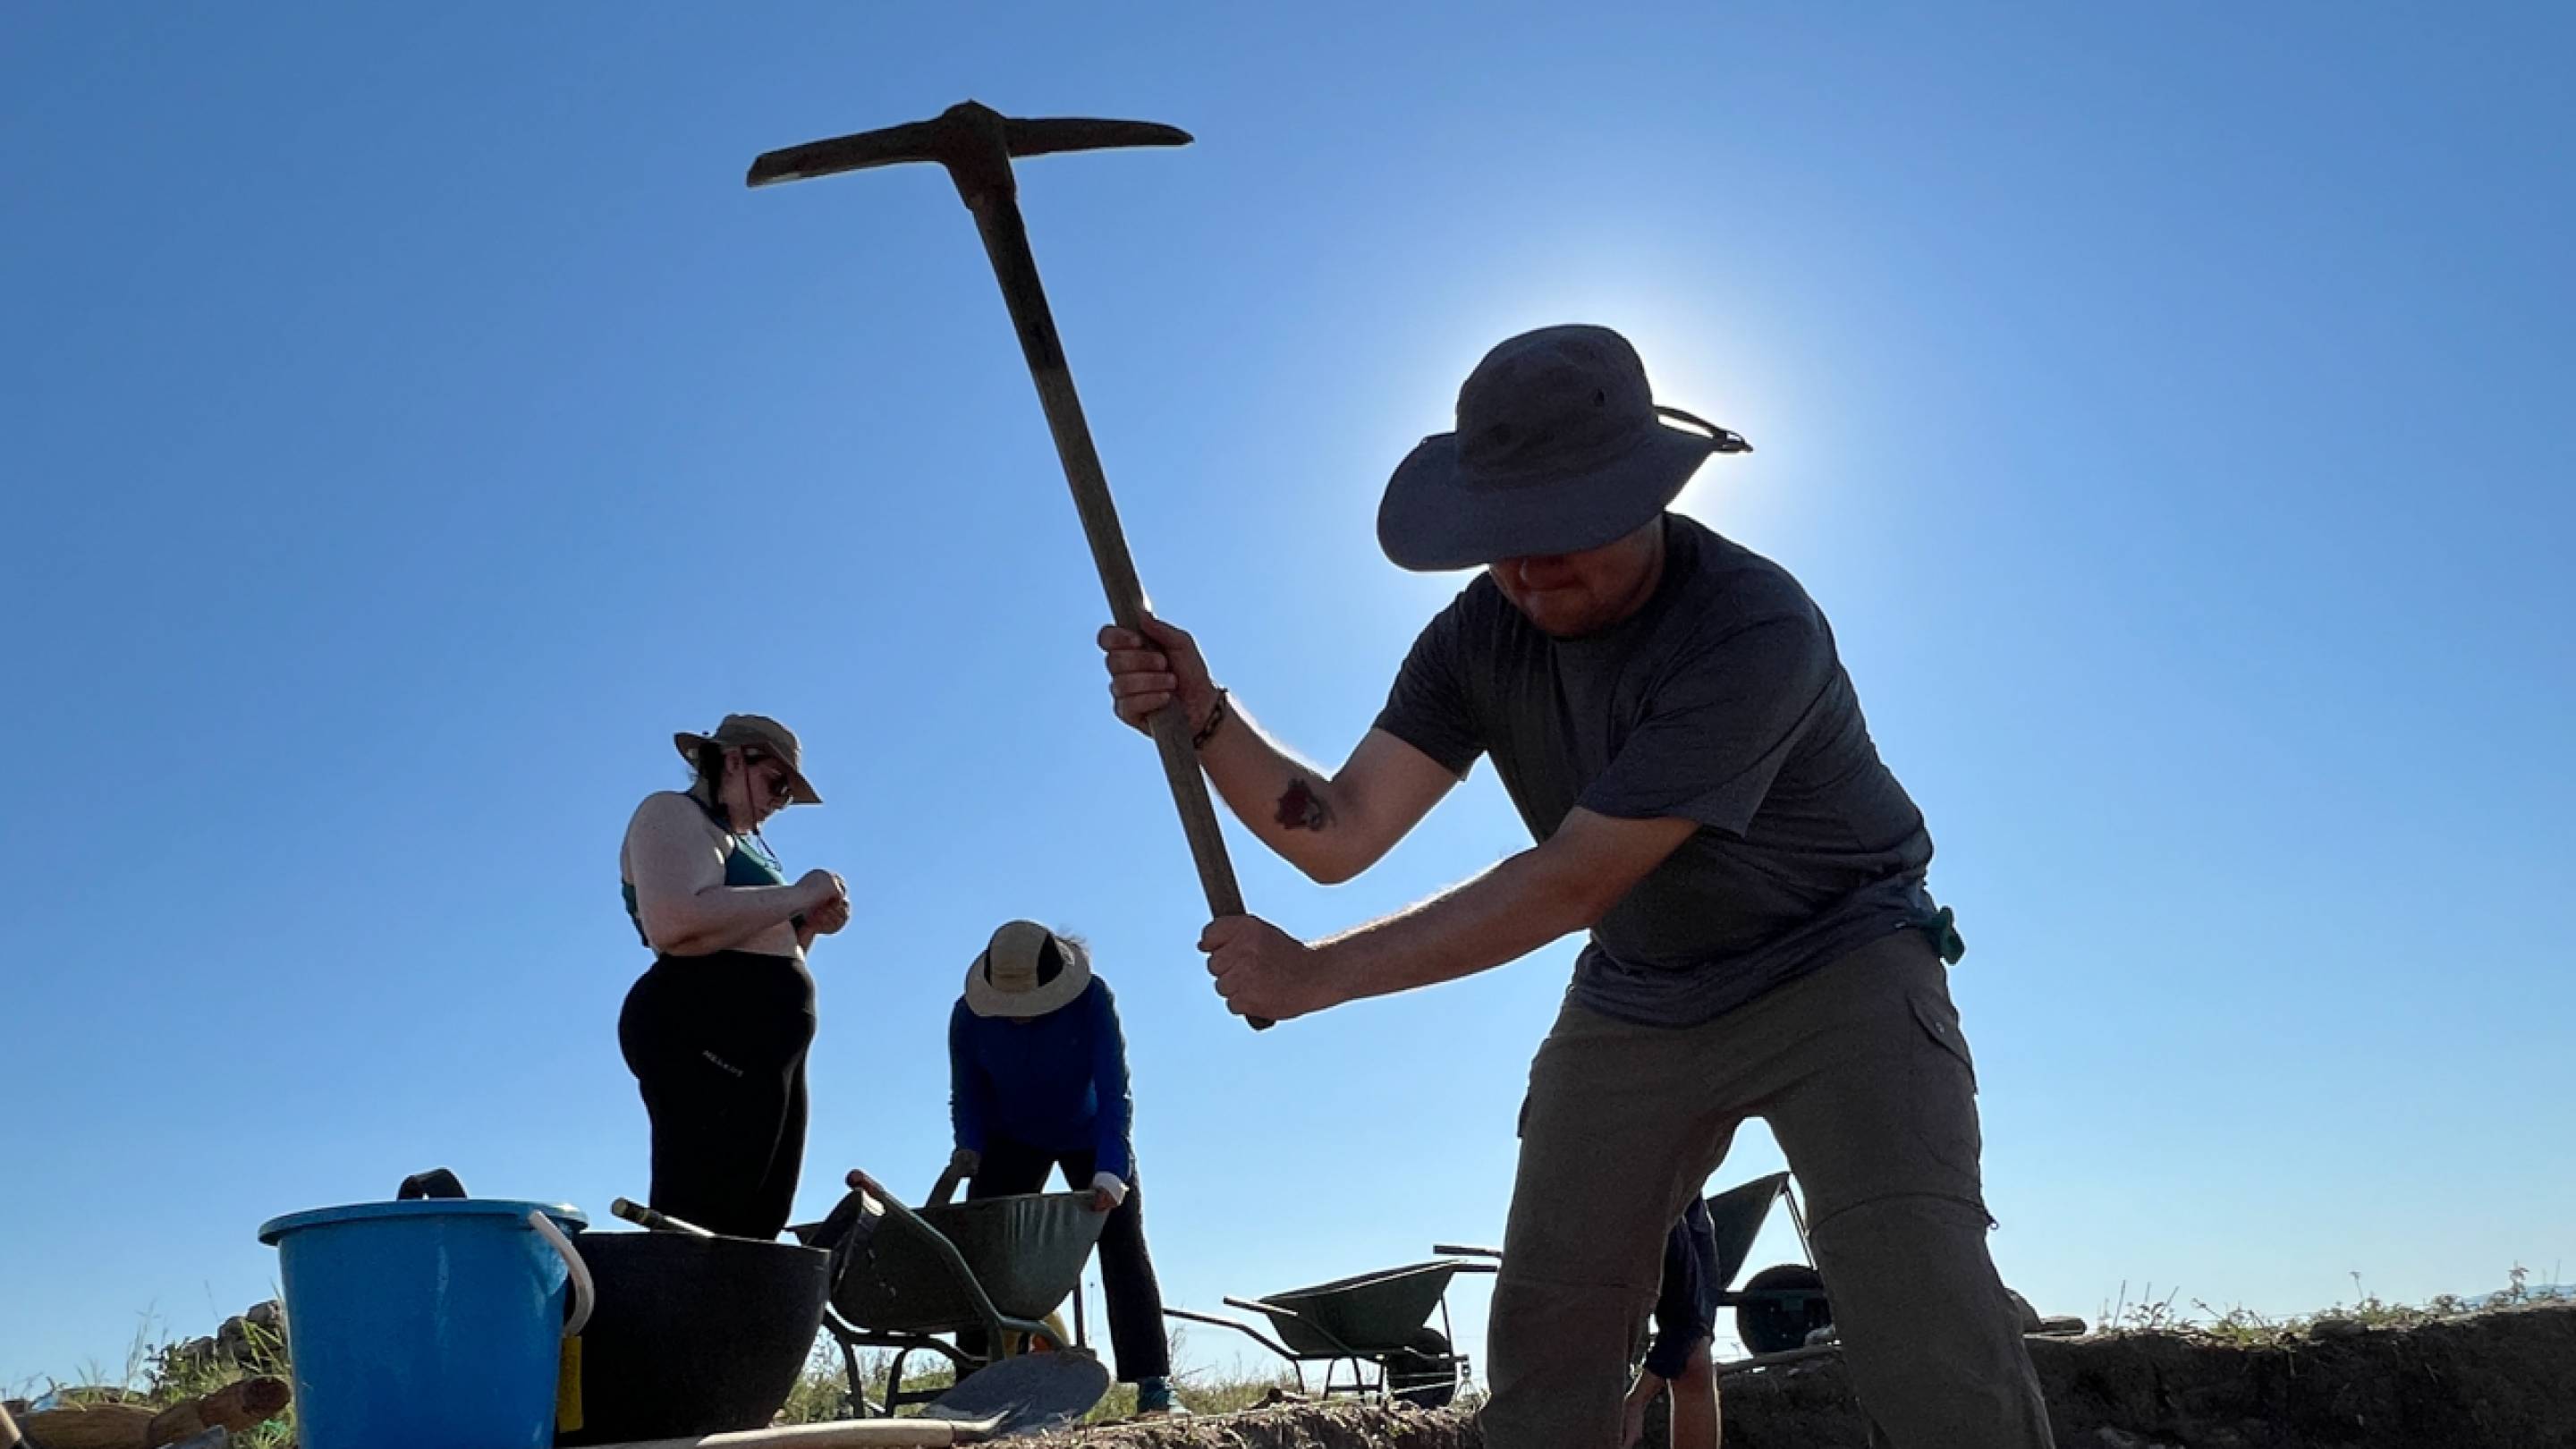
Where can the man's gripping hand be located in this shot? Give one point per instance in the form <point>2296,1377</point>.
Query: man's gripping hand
<point>1148,671</point>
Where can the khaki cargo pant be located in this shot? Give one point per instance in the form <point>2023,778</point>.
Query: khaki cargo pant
<point>1862,1073</point>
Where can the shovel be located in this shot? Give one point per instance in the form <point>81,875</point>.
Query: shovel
<point>851,1434</point>
<point>1029,1394</point>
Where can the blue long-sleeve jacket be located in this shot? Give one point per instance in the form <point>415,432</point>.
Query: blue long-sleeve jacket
<point>1057,1082</point>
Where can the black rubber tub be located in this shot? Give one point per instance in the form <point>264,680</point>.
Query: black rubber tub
<point>692,1335</point>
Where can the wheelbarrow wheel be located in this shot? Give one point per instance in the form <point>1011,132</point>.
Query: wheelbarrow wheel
<point>1015,1343</point>
<point>1776,1325</point>
<point>1424,1372</point>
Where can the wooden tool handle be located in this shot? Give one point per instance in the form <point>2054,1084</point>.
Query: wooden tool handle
<point>644,1217</point>
<point>1006,242</point>
<point>849,1434</point>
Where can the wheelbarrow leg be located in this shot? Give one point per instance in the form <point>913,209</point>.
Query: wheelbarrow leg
<point>858,1387</point>
<point>1360,1387</point>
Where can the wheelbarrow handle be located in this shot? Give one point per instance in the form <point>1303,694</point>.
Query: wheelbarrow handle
<point>1255,1305</point>
<point>939,1245</point>
<point>860,1181</point>
<point>1737,1297</point>
<point>1246,1329</point>
<point>1770,1360</point>
<point>946,1188</point>
<point>1194,1316</point>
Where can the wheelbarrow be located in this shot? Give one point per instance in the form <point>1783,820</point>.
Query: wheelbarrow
<point>916,1281</point>
<point>1780,1307</point>
<point>1781,1313</point>
<point>1376,1325</point>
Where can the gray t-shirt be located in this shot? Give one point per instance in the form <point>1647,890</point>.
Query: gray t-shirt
<point>1723,702</point>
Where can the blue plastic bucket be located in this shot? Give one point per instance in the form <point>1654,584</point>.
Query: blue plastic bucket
<point>426,1325</point>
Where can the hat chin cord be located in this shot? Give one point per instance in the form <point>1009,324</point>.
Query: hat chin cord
<point>721,813</point>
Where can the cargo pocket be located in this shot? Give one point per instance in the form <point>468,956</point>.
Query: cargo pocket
<point>1945,1117</point>
<point>1940,1021</point>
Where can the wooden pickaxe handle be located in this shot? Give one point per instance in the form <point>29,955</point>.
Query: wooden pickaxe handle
<point>1006,242</point>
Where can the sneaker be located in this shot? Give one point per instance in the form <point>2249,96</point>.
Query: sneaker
<point>1154,1400</point>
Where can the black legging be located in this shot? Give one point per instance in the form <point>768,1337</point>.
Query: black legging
<point>1126,1271</point>
<point>717,1045</point>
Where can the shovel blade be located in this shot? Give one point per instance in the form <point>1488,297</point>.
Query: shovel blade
<point>1029,1394</point>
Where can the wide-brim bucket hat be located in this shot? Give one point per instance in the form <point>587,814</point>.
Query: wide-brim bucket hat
<point>760,733</point>
<point>1560,447</point>
<point>1026,970</point>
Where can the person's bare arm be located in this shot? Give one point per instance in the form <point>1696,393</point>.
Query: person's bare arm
<point>680,893</point>
<point>1564,885</point>
<point>1330,826</point>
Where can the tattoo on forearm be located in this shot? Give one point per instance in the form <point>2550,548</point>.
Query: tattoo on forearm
<point>1303,807</point>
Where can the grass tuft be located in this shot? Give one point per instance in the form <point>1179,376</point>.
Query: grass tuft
<point>2241,1327</point>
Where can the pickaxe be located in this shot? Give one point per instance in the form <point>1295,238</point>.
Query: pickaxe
<point>976,144</point>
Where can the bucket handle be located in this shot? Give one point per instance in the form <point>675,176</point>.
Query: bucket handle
<point>577,1272</point>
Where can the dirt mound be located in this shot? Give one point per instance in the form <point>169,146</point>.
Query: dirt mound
<point>2498,1380</point>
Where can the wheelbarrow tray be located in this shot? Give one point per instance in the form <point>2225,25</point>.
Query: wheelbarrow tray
<point>1026,1252</point>
<point>1372,1313</point>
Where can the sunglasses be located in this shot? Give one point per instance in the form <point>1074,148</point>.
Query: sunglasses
<point>779,782</point>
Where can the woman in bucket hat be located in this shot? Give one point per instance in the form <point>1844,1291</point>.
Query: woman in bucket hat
<point>1037,1081</point>
<point>716,1030</point>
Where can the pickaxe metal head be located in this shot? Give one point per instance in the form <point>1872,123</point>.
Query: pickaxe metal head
<point>975,142</point>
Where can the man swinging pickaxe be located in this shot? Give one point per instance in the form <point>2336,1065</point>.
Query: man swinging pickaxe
<point>976,144</point>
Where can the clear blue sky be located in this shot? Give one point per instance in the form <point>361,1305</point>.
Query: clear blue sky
<point>408,421</point>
